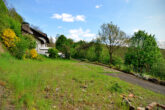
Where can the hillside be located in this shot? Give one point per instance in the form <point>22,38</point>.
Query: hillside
<point>65,84</point>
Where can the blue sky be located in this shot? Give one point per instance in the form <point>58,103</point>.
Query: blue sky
<point>81,19</point>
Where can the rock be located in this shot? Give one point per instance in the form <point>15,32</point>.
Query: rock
<point>153,80</point>
<point>131,107</point>
<point>131,95</point>
<point>151,106</point>
<point>161,106</point>
<point>162,83</point>
<point>140,108</point>
<point>54,107</point>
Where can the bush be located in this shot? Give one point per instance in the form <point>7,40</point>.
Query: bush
<point>158,70</point>
<point>33,54</point>
<point>31,41</point>
<point>117,61</point>
<point>9,38</point>
<point>53,53</point>
<point>127,68</point>
<point>19,50</point>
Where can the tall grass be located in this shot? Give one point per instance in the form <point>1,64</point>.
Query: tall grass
<point>65,84</point>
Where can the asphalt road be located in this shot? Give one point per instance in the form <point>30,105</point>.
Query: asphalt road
<point>137,81</point>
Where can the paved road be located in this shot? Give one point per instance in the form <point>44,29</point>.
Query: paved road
<point>143,83</point>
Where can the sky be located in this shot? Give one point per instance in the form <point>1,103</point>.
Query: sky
<point>81,19</point>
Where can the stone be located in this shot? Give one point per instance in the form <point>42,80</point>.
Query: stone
<point>140,108</point>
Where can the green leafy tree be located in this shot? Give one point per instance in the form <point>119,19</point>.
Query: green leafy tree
<point>61,41</point>
<point>98,48</point>
<point>143,51</point>
<point>112,37</point>
<point>64,45</point>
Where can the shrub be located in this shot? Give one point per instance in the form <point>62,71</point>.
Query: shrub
<point>117,61</point>
<point>31,41</point>
<point>127,68</point>
<point>19,50</point>
<point>158,69</point>
<point>53,53</point>
<point>9,38</point>
<point>33,53</point>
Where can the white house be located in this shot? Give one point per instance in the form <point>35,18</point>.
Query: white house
<point>40,37</point>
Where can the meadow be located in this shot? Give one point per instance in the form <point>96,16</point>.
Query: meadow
<point>65,85</point>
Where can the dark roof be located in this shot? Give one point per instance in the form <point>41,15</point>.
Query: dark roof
<point>36,33</point>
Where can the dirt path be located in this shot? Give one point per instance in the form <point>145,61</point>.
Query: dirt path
<point>137,81</point>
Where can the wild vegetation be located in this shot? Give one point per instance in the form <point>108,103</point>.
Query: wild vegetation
<point>65,84</point>
<point>55,83</point>
<point>11,36</point>
<point>141,55</point>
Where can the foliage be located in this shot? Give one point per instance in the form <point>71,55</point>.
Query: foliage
<point>116,60</point>
<point>3,8</point>
<point>143,52</point>
<point>15,15</point>
<point>98,49</point>
<point>113,37</point>
<point>15,25</point>
<point>30,40</point>
<point>9,38</point>
<point>158,69</point>
<point>64,45</point>
<point>53,53</point>
<point>33,53</point>
<point>61,40</point>
<point>9,18</point>
<point>19,50</point>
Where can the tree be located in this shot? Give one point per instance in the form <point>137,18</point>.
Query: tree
<point>112,37</point>
<point>61,41</point>
<point>143,51</point>
<point>98,48</point>
<point>64,45</point>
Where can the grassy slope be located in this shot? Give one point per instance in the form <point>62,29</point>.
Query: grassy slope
<point>63,84</point>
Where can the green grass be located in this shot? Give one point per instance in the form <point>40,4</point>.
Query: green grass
<point>65,84</point>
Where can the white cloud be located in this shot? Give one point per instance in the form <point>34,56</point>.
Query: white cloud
<point>80,18</point>
<point>80,34</point>
<point>98,6</point>
<point>68,17</point>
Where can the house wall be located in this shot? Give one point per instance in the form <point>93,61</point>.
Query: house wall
<point>41,48</point>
